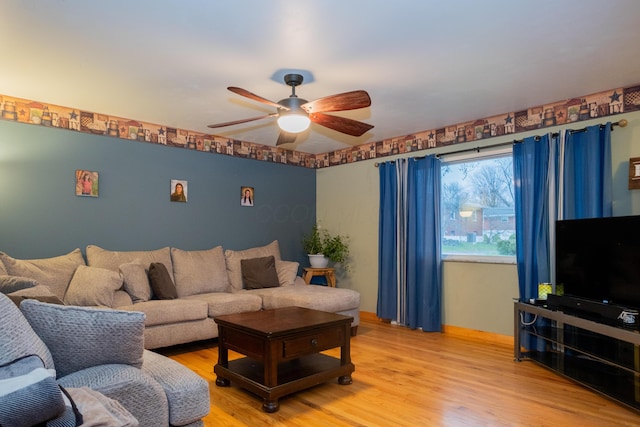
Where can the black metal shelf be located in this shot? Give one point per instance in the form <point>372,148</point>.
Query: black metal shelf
<point>603,358</point>
<point>580,342</point>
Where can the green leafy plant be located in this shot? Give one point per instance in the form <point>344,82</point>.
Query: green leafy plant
<point>312,242</point>
<point>336,248</point>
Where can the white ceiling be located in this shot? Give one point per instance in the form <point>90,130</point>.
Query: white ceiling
<point>426,64</point>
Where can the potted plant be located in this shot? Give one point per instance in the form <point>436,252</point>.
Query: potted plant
<point>313,246</point>
<point>322,247</point>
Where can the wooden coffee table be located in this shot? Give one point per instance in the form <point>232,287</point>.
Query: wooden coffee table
<point>282,348</point>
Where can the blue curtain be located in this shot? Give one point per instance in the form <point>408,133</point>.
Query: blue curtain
<point>424,282</point>
<point>565,176</point>
<point>409,277</point>
<point>587,182</point>
<point>531,166</point>
<point>388,235</point>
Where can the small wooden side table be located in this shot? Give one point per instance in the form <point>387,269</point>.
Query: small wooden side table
<point>328,273</point>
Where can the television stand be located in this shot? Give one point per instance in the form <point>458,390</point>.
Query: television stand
<point>601,357</point>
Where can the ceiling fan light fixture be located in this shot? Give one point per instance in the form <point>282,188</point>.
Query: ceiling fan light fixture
<point>294,123</point>
<point>296,114</point>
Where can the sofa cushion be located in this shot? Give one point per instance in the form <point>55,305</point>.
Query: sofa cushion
<point>55,273</point>
<point>259,272</point>
<point>18,337</point>
<point>162,312</point>
<point>309,296</point>
<point>287,272</point>
<point>51,299</point>
<point>136,281</point>
<point>121,298</point>
<point>233,258</point>
<point>220,303</point>
<point>99,257</point>
<point>93,286</point>
<point>10,284</point>
<point>198,272</point>
<point>81,337</point>
<point>160,280</point>
<point>29,393</point>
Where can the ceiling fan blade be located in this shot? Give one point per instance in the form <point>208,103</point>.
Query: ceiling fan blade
<point>255,97</point>
<point>237,122</point>
<point>340,102</point>
<point>285,138</point>
<point>341,124</point>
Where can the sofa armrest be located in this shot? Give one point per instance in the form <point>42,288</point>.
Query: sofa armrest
<point>138,392</point>
<point>187,392</point>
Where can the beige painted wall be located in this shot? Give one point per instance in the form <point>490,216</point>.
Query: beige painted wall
<point>476,295</point>
<point>479,296</point>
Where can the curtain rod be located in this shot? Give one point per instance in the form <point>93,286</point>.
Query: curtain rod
<point>622,123</point>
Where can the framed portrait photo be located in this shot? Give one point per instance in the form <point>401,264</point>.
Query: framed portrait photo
<point>179,190</point>
<point>246,196</point>
<point>86,183</point>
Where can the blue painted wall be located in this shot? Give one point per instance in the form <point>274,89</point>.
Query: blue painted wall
<point>40,215</point>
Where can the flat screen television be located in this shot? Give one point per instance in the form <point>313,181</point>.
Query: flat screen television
<point>599,259</point>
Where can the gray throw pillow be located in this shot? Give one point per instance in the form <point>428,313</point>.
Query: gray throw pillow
<point>81,337</point>
<point>93,286</point>
<point>161,283</point>
<point>199,272</point>
<point>10,284</point>
<point>136,281</point>
<point>259,273</point>
<point>30,394</point>
<point>287,272</point>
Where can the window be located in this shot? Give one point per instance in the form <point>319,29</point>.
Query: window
<point>478,209</point>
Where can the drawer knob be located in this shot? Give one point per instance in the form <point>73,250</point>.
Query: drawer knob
<point>314,342</point>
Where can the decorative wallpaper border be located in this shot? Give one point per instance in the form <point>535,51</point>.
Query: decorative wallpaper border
<point>607,103</point>
<point>602,104</point>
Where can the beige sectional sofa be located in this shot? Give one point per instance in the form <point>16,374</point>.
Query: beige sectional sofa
<point>207,283</point>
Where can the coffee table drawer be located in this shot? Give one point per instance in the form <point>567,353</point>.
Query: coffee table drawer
<point>312,343</point>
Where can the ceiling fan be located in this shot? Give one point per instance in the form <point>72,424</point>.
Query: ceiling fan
<point>296,114</point>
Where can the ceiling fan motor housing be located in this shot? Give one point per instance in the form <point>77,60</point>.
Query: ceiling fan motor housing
<point>293,79</point>
<point>293,103</point>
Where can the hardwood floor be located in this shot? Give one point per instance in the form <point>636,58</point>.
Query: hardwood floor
<point>411,378</point>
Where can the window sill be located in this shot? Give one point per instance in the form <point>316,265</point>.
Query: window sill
<point>504,259</point>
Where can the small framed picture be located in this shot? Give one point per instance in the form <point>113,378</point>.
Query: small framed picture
<point>179,190</point>
<point>86,183</point>
<point>246,196</point>
<point>634,173</point>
